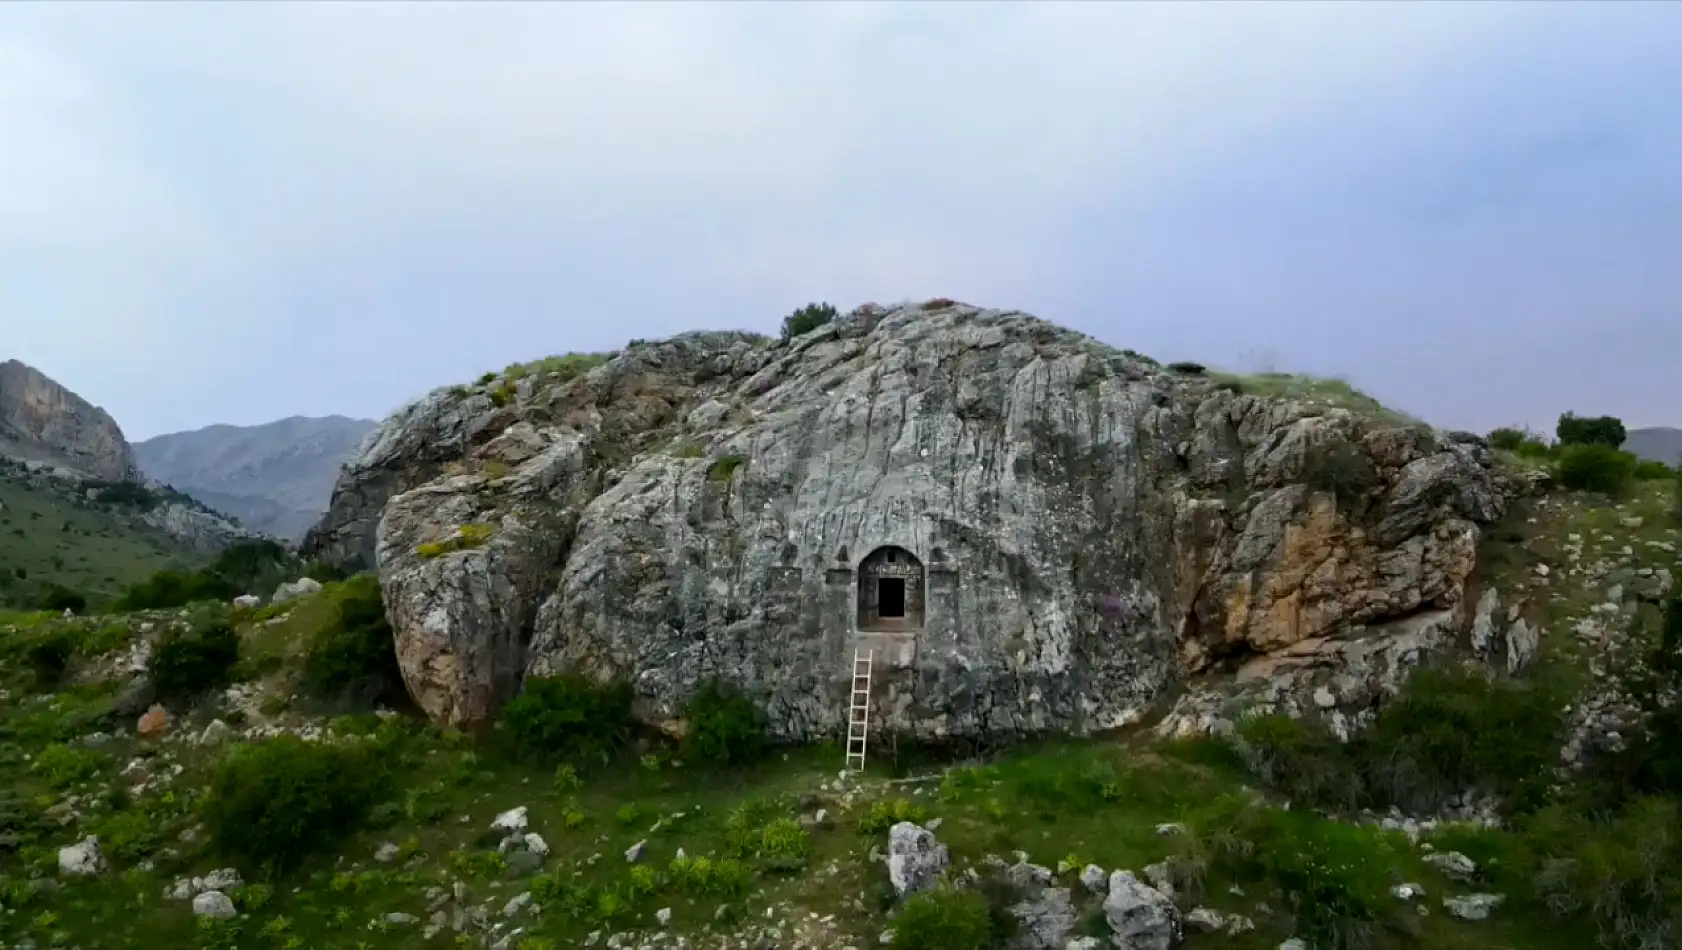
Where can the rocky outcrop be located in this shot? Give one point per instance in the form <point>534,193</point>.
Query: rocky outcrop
<point>41,421</point>
<point>1081,528</point>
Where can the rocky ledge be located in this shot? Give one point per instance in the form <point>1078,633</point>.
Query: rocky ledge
<point>1070,530</point>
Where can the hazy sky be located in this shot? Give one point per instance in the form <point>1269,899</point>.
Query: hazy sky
<point>237,212</point>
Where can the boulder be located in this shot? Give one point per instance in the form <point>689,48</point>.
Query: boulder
<point>1140,916</point>
<point>915,859</point>
<point>1037,531</point>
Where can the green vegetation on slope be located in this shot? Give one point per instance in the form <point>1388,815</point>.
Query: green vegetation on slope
<point>51,536</point>
<point>375,830</point>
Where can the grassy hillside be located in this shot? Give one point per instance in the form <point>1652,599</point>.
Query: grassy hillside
<point>49,535</point>
<point>1279,826</point>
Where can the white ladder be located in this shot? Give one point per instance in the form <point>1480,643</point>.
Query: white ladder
<point>858,710</point>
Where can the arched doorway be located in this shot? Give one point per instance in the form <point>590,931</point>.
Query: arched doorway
<point>890,591</point>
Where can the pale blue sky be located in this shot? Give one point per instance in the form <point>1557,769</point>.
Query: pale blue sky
<point>239,212</point>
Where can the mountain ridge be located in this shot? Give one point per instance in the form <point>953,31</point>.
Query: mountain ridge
<point>275,477</point>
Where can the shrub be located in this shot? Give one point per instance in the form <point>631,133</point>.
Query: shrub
<point>1343,470</point>
<point>1647,470</point>
<point>571,715</point>
<point>272,803</point>
<point>355,655</point>
<point>725,727</point>
<point>1507,438</point>
<point>1606,431</point>
<point>784,845</point>
<point>1595,467</point>
<point>186,665</point>
<point>944,919</point>
<point>1624,871</point>
<point>1187,368</point>
<point>807,319</point>
<point>49,656</point>
<point>58,598</point>
<point>170,589</point>
<point>63,765</point>
<point>1335,877</point>
<point>709,877</point>
<point>724,467</point>
<point>885,814</point>
<point>1300,758</point>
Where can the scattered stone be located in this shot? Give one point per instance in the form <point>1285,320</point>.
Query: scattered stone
<point>1140,916</point>
<point>663,916</point>
<point>1093,878</point>
<point>387,853</point>
<point>1407,892</point>
<point>213,904</point>
<point>1453,864</point>
<point>302,587</point>
<point>83,859</point>
<point>1206,920</point>
<point>216,733</point>
<point>633,854</point>
<point>535,844</point>
<point>224,879</point>
<point>525,862</point>
<point>1044,919</point>
<point>1473,906</point>
<point>247,601</point>
<point>400,919</point>
<point>520,902</point>
<point>915,859</point>
<point>154,723</point>
<point>510,821</point>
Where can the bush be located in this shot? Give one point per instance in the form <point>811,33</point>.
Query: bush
<point>1598,430</point>
<point>355,656</point>
<point>571,715</point>
<point>1507,438</point>
<point>944,919</point>
<point>1623,871</point>
<point>49,657</point>
<point>1647,470</point>
<point>271,804</point>
<point>167,590</point>
<point>1335,877</point>
<point>1454,730</point>
<point>1595,467</point>
<point>58,598</point>
<point>1299,758</point>
<point>1187,368</point>
<point>725,727</point>
<point>807,319</point>
<point>185,666</point>
<point>1343,470</point>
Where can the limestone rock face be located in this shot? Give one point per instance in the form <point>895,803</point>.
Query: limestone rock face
<point>41,421</point>
<point>1033,530</point>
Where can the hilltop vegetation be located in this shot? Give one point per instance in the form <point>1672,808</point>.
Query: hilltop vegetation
<point>281,795</point>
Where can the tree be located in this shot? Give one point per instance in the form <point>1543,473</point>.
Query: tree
<point>807,319</point>
<point>1585,430</point>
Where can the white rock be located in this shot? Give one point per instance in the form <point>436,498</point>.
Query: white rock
<point>511,820</point>
<point>213,904</point>
<point>535,843</point>
<point>663,916</point>
<point>1140,916</point>
<point>1473,906</point>
<point>82,859</point>
<point>915,859</point>
<point>247,600</point>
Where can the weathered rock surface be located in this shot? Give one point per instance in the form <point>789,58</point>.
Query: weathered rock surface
<point>42,421</point>
<point>1140,916</point>
<point>1082,528</point>
<point>916,860</point>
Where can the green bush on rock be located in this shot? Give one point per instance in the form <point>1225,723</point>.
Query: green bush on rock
<point>354,656</point>
<point>1597,468</point>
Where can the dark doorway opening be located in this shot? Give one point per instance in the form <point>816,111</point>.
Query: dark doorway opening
<point>890,598</point>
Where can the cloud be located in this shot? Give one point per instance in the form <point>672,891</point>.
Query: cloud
<point>330,207</point>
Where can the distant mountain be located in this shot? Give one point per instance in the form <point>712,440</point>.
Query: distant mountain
<point>1660,444</point>
<point>276,478</point>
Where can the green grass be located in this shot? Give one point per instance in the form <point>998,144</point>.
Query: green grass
<point>54,538</point>
<point>1061,803</point>
<point>1315,390</point>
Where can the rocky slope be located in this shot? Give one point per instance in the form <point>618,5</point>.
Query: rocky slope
<point>1093,528</point>
<point>275,478</point>
<point>41,421</point>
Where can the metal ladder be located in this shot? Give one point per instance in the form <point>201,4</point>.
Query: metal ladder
<point>858,710</point>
